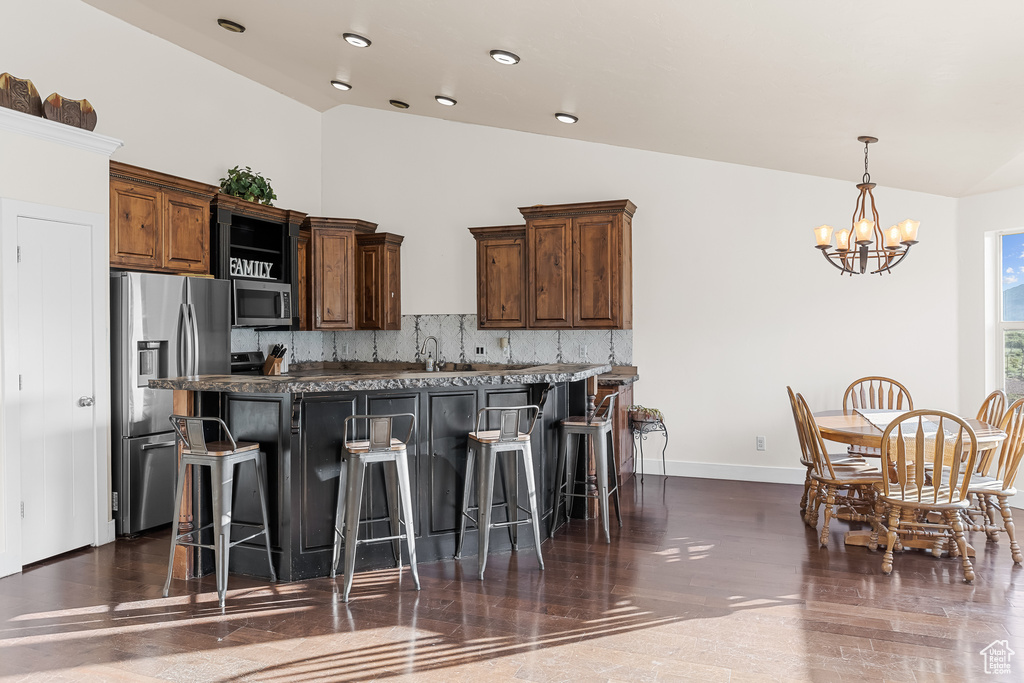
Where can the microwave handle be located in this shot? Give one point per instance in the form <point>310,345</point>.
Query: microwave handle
<point>234,303</point>
<point>280,305</point>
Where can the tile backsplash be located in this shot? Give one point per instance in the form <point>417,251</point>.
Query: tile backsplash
<point>458,339</point>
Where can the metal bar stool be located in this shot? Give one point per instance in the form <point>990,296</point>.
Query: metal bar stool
<point>506,439</point>
<point>596,430</point>
<point>356,455</point>
<point>221,457</point>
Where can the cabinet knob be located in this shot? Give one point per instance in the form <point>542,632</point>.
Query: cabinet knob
<point>86,401</point>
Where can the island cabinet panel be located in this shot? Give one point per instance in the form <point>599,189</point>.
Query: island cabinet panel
<point>158,222</point>
<point>501,276</point>
<point>301,435</point>
<point>549,282</point>
<point>451,419</point>
<point>379,281</point>
<point>580,265</point>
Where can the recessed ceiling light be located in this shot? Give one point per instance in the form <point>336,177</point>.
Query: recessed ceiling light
<point>341,85</point>
<point>356,39</point>
<point>504,57</point>
<point>399,104</point>
<point>446,101</point>
<point>566,118</point>
<point>232,26</point>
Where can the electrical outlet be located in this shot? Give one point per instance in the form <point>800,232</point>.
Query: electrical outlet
<point>760,443</point>
<point>344,350</point>
<point>479,350</point>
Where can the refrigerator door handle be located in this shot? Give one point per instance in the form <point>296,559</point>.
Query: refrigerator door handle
<point>162,444</point>
<point>189,337</point>
<point>183,343</point>
<point>194,370</point>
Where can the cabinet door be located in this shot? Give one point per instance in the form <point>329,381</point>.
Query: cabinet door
<point>392,287</point>
<point>302,275</point>
<point>550,273</point>
<point>186,233</point>
<point>134,226</point>
<point>333,292</point>
<point>597,293</point>
<point>371,314</point>
<point>501,283</point>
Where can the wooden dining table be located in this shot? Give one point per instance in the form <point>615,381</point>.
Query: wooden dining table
<point>854,429</point>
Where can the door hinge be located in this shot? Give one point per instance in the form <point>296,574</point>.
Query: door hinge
<point>23,509</point>
<point>19,253</point>
<point>20,385</point>
<point>113,502</point>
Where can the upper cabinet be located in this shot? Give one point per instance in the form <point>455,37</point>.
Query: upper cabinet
<point>570,267</point>
<point>500,276</point>
<point>379,281</point>
<point>580,265</point>
<point>158,222</point>
<point>327,279</point>
<point>349,276</point>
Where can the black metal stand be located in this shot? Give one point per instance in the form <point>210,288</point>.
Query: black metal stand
<point>641,429</point>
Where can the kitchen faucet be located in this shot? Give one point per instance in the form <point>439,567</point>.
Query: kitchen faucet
<point>432,365</point>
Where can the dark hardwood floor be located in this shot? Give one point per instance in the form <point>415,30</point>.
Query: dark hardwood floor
<point>707,580</point>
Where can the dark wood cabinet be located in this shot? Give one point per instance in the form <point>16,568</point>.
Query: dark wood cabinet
<point>580,265</point>
<point>501,276</point>
<point>621,431</point>
<point>379,281</point>
<point>302,278</point>
<point>158,222</point>
<point>330,283</point>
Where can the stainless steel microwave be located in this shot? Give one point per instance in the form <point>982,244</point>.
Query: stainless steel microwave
<point>260,304</point>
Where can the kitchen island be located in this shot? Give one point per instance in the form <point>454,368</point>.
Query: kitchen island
<point>298,418</point>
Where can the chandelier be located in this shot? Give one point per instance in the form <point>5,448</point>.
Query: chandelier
<point>872,249</point>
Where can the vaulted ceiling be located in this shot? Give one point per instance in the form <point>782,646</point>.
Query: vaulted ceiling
<point>787,85</point>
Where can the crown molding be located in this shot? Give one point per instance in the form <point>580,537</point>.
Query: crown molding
<point>44,129</point>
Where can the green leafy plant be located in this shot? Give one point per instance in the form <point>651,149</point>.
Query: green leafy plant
<point>248,185</point>
<point>641,414</point>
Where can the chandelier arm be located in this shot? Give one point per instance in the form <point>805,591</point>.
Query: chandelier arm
<point>832,257</point>
<point>892,263</point>
<point>874,212</point>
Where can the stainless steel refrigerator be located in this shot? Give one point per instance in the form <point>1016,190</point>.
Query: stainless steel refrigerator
<point>161,326</point>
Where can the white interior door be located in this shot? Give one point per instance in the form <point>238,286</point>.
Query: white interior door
<point>56,342</point>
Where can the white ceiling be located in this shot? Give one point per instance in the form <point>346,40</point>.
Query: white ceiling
<point>786,84</point>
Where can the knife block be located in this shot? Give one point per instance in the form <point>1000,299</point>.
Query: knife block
<point>272,366</point>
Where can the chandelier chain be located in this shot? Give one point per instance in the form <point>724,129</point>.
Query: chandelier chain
<point>867,176</point>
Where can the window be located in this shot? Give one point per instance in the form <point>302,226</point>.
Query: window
<point>1011,309</point>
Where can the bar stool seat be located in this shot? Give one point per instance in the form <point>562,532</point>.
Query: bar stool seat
<point>220,456</point>
<point>487,445</point>
<point>380,447</point>
<point>595,430</point>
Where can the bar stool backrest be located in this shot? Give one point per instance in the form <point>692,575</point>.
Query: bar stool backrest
<point>509,419</point>
<point>192,433</point>
<point>605,409</point>
<point>379,429</point>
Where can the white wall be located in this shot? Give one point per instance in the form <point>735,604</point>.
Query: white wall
<point>732,301</point>
<point>175,111</point>
<point>978,215</point>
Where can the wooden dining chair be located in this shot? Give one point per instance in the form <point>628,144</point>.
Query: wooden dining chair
<point>807,459</point>
<point>992,492</point>
<point>924,477</point>
<point>991,412</point>
<point>851,486</point>
<point>875,393</point>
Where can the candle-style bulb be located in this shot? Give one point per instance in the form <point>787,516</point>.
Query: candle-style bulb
<point>823,236</point>
<point>864,230</point>
<point>908,231</point>
<point>843,240</point>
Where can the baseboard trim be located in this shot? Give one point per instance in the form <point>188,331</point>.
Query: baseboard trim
<point>768,475</point>
<point>718,470</point>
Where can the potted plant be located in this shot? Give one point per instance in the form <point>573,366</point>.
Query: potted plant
<point>638,413</point>
<point>248,185</point>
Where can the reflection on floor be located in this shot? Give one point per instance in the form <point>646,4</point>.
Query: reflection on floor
<point>707,580</point>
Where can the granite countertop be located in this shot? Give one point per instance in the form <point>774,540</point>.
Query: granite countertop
<point>327,377</point>
<point>619,375</point>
